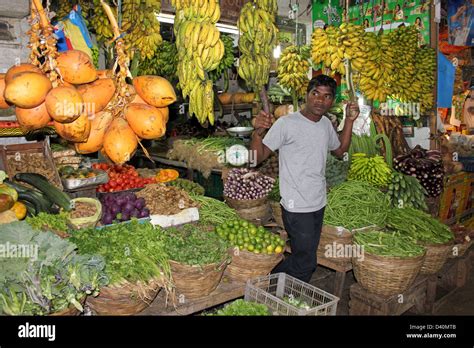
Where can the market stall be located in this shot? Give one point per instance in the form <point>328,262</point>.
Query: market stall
<point>141,199</point>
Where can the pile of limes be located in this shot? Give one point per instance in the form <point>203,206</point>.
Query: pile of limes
<point>246,236</point>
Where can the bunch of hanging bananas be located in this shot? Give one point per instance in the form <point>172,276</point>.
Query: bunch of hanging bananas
<point>258,37</point>
<point>227,61</point>
<point>375,66</point>
<point>200,50</point>
<point>425,67</point>
<point>163,63</point>
<point>100,23</point>
<point>141,24</point>
<point>270,6</point>
<point>293,70</point>
<point>404,41</point>
<point>373,170</point>
<point>335,44</point>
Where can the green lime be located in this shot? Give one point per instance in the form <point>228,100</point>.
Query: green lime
<point>251,247</point>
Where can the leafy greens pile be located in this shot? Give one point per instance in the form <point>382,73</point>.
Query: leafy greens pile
<point>242,308</point>
<point>193,246</point>
<point>42,273</point>
<point>133,251</point>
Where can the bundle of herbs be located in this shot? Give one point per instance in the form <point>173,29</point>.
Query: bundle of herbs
<point>43,274</point>
<point>212,211</point>
<point>194,246</point>
<point>132,252</point>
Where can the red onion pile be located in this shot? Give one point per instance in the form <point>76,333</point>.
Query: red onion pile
<point>245,184</point>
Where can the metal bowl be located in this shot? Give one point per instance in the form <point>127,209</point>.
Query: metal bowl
<point>240,131</point>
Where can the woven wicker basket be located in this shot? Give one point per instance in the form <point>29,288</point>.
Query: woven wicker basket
<point>256,215</point>
<point>196,281</point>
<point>277,213</point>
<point>246,265</point>
<point>331,235</point>
<point>386,276</point>
<point>126,298</point>
<point>436,257</point>
<point>246,203</point>
<point>459,250</point>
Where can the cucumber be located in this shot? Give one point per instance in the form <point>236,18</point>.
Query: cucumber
<point>30,202</point>
<point>38,181</point>
<point>44,202</point>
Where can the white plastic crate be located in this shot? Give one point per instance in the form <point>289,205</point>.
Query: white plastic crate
<point>271,291</point>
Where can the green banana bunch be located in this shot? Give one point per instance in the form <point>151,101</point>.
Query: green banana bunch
<point>227,61</point>
<point>293,70</point>
<point>200,50</point>
<point>100,23</point>
<point>406,191</point>
<point>373,170</point>
<point>270,6</point>
<point>95,56</point>
<point>140,23</point>
<point>163,63</point>
<point>256,43</point>
<point>277,93</point>
<point>368,144</point>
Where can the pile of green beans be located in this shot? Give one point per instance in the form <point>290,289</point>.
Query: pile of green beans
<point>388,244</point>
<point>356,204</point>
<point>212,211</point>
<point>419,226</point>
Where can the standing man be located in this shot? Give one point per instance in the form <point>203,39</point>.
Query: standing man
<point>303,140</point>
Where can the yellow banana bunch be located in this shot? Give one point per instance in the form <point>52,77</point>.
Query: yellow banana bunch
<point>140,23</point>
<point>256,43</point>
<point>335,44</point>
<point>425,77</point>
<point>405,43</point>
<point>293,70</point>
<point>200,50</point>
<point>100,22</point>
<point>270,6</point>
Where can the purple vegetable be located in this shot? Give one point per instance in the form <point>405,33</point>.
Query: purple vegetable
<point>107,219</point>
<point>140,203</point>
<point>128,208</point>
<point>135,213</point>
<point>125,217</point>
<point>144,213</point>
<point>114,209</point>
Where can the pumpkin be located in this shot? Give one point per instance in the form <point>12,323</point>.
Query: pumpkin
<point>120,142</point>
<point>96,95</point>
<point>100,122</point>
<point>64,104</point>
<point>155,90</point>
<point>225,98</point>
<point>27,89</point>
<point>237,98</point>
<point>20,210</point>
<point>147,121</point>
<point>76,67</point>
<point>166,175</point>
<point>16,69</point>
<point>77,131</point>
<point>34,118</point>
<point>3,102</point>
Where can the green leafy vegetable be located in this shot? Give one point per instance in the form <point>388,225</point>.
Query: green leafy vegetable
<point>45,274</point>
<point>193,246</point>
<point>242,308</point>
<point>132,251</point>
<point>212,211</point>
<point>52,222</point>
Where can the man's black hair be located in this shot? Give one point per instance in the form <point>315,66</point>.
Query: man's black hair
<point>323,80</point>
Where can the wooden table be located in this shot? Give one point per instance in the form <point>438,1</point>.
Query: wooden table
<point>225,292</point>
<point>341,268</point>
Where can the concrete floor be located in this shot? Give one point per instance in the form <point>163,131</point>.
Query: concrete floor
<point>459,302</point>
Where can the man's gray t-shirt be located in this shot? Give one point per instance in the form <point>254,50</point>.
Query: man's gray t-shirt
<point>303,148</point>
